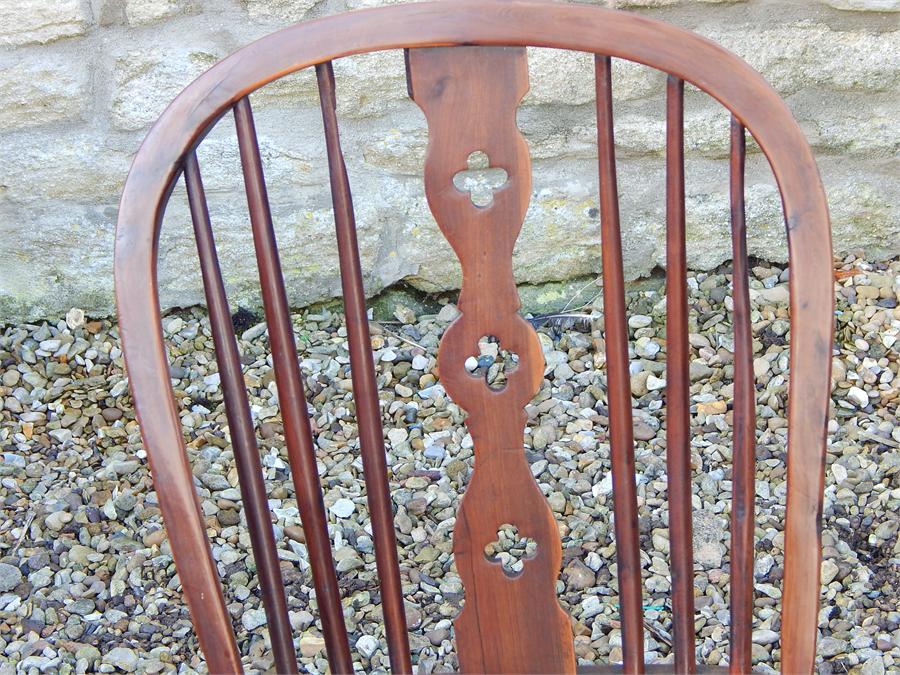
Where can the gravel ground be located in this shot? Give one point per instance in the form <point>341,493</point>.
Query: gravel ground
<point>87,581</point>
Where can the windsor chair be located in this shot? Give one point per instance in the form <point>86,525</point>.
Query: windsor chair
<point>467,70</point>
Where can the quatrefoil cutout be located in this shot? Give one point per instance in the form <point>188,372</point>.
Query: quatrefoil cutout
<point>510,550</point>
<point>481,179</point>
<point>492,363</point>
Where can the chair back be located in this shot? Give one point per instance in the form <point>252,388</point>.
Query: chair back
<point>467,70</point>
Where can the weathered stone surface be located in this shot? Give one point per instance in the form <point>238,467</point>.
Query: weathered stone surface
<point>53,254</point>
<point>839,124</point>
<point>567,77</point>
<point>838,72</point>
<point>866,5</point>
<point>805,56</point>
<point>38,21</point>
<point>42,165</point>
<point>36,91</point>
<point>141,12</point>
<point>371,84</point>
<point>564,77</point>
<point>361,4</point>
<point>146,81</point>
<point>279,10</point>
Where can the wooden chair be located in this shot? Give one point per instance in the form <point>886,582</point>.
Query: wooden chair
<point>467,70</point>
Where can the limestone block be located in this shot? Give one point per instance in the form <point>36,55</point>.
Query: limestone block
<point>371,84</point>
<point>864,199</point>
<point>400,150</point>
<point>362,4</point>
<point>557,75</point>
<point>145,82</point>
<point>26,22</point>
<point>50,168</point>
<point>837,123</point>
<point>800,56</point>
<point>65,259</point>
<point>304,225</point>
<point>40,88</point>
<point>866,5</point>
<point>284,168</point>
<point>559,131</point>
<point>142,12</point>
<point>287,11</point>
<point>289,92</point>
<point>367,86</point>
<point>567,78</point>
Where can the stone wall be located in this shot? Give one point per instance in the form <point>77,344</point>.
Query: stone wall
<point>81,81</point>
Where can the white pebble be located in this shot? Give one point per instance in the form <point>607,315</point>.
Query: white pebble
<point>839,472</point>
<point>604,487</point>
<point>366,646</point>
<point>646,348</point>
<point>397,435</point>
<point>342,508</point>
<point>858,397</point>
<point>253,619</point>
<point>655,383</point>
<point>760,367</point>
<point>75,318</point>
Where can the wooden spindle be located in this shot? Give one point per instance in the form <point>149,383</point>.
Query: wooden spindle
<point>619,382</point>
<point>291,398</point>
<point>365,387</point>
<point>743,479</point>
<point>678,417</point>
<point>240,424</point>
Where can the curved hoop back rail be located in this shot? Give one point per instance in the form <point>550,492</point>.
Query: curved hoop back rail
<point>467,70</point>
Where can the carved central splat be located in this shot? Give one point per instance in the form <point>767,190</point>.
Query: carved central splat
<point>480,180</point>
<point>510,623</point>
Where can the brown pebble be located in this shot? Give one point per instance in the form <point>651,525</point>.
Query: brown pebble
<point>112,414</point>
<point>155,538</point>
<point>296,533</point>
<point>269,430</point>
<point>228,517</point>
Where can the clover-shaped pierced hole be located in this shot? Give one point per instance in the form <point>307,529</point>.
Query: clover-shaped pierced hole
<point>510,550</point>
<point>492,362</point>
<point>480,180</point>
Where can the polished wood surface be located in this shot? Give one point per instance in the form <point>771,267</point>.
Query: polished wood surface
<point>678,384</point>
<point>365,388</point>
<point>509,623</point>
<point>429,30</point>
<point>621,429</point>
<point>743,478</point>
<point>240,425</point>
<point>291,397</point>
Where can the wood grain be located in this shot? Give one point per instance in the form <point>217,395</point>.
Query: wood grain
<point>291,396</point>
<point>509,624</point>
<point>254,501</point>
<point>743,478</point>
<point>678,384</point>
<point>621,429</point>
<point>365,387</point>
